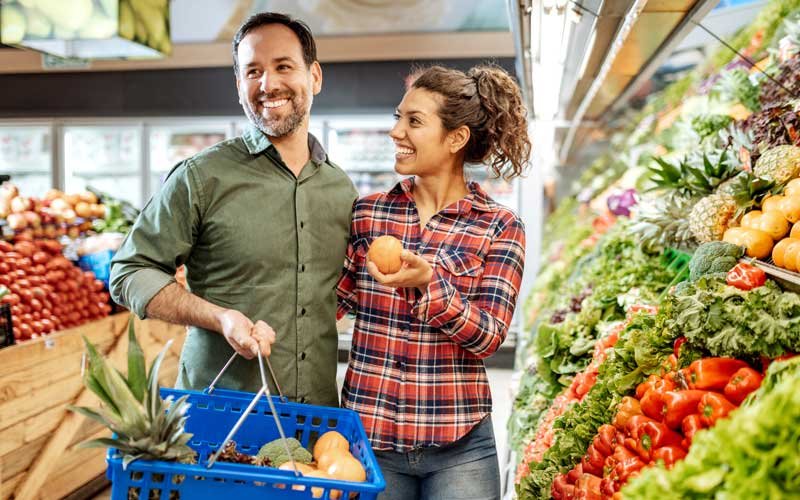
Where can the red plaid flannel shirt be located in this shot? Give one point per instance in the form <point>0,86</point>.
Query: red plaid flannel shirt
<point>416,374</point>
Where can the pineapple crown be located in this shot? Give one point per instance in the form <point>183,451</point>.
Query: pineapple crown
<point>735,86</point>
<point>145,425</point>
<point>690,179</point>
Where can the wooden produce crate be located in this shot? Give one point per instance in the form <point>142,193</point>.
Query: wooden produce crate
<point>39,456</point>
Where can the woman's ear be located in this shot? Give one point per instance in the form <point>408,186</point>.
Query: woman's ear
<point>458,138</point>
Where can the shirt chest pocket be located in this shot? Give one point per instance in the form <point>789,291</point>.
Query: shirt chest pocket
<point>462,269</point>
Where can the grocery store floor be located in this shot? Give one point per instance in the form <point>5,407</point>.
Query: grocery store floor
<point>500,381</point>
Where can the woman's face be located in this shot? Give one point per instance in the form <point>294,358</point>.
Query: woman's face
<point>421,146</point>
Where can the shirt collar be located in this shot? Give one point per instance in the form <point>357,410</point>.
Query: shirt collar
<point>477,198</point>
<point>257,142</point>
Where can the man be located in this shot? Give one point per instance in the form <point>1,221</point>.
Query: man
<point>261,222</point>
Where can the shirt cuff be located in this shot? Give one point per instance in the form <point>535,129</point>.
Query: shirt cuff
<point>140,287</point>
<point>439,304</point>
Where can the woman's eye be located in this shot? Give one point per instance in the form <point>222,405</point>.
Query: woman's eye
<point>396,116</point>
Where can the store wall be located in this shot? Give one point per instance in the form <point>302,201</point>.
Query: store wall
<point>364,87</point>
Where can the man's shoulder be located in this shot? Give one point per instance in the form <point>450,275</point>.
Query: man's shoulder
<point>213,157</point>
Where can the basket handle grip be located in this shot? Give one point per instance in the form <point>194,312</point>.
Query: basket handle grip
<point>213,384</point>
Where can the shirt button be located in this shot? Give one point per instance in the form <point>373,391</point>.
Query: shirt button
<point>302,224</point>
<point>302,399</point>
<point>302,356</point>
<point>302,268</point>
<point>303,311</point>
<point>398,364</point>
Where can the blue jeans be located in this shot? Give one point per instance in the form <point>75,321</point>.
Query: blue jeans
<point>466,469</point>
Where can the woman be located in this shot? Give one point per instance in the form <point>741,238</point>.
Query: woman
<point>416,374</point>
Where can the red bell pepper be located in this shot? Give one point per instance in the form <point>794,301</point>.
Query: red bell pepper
<point>713,407</point>
<point>606,440</point>
<point>713,373</point>
<point>669,455</point>
<point>679,404</point>
<point>607,486</point>
<point>588,487</point>
<point>743,382</point>
<point>592,462</point>
<point>573,475</point>
<point>635,422</point>
<point>746,276</point>
<point>690,426</point>
<point>561,490</point>
<point>627,468</point>
<point>628,408</point>
<point>653,435</point>
<point>653,404</point>
<point>661,384</point>
<point>676,347</point>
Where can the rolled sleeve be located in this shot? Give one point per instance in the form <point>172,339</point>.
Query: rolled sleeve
<point>480,324</point>
<point>159,242</point>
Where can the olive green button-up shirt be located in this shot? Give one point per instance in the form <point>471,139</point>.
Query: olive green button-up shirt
<point>254,238</point>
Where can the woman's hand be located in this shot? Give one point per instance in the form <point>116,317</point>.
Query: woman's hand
<point>414,273</point>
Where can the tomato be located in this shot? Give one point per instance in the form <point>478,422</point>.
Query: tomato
<point>25,295</point>
<point>37,327</point>
<point>25,330</point>
<point>36,305</point>
<point>19,274</point>
<point>11,298</point>
<point>24,263</point>
<point>38,270</point>
<point>5,246</point>
<point>4,268</point>
<point>40,258</point>
<point>5,279</point>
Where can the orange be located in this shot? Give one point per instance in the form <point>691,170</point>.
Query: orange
<point>385,253</point>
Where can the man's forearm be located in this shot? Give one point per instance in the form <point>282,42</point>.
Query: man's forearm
<point>174,304</point>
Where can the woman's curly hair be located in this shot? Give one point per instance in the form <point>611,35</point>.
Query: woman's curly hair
<point>489,102</point>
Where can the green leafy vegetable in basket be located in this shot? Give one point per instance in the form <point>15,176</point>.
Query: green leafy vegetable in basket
<point>275,452</point>
<point>145,425</point>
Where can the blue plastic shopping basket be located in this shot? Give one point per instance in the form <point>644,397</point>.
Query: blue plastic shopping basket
<point>211,417</point>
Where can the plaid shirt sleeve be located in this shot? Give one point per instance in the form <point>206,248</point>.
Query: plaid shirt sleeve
<point>479,325</point>
<point>346,286</point>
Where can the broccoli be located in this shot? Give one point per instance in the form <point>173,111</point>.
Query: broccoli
<point>712,258</point>
<point>274,452</point>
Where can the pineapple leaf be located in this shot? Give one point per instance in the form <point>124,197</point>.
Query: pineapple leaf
<point>91,382</point>
<point>97,381</point>
<point>137,375</point>
<point>127,459</point>
<point>104,417</point>
<point>108,443</point>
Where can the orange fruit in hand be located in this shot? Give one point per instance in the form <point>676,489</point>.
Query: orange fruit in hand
<point>385,253</point>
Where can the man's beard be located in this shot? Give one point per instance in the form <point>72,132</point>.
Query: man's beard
<point>277,127</point>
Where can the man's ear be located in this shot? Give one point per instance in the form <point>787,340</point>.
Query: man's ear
<point>457,139</point>
<point>238,93</point>
<point>316,75</point>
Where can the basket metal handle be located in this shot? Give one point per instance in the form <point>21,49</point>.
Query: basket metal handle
<point>213,384</point>
<point>264,390</point>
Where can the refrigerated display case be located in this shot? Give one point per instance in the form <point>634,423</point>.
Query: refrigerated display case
<point>170,144</point>
<point>26,156</point>
<point>105,157</point>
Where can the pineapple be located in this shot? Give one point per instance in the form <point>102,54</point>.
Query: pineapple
<point>710,216</point>
<point>779,164</point>
<point>662,222</point>
<point>145,425</point>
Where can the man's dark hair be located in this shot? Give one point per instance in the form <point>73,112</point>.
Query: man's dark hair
<point>299,28</point>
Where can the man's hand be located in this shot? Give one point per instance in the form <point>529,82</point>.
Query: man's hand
<point>246,338</point>
<point>414,273</point>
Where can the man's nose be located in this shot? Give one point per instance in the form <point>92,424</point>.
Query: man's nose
<point>267,82</point>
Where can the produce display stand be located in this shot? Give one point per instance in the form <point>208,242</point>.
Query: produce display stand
<point>39,456</point>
